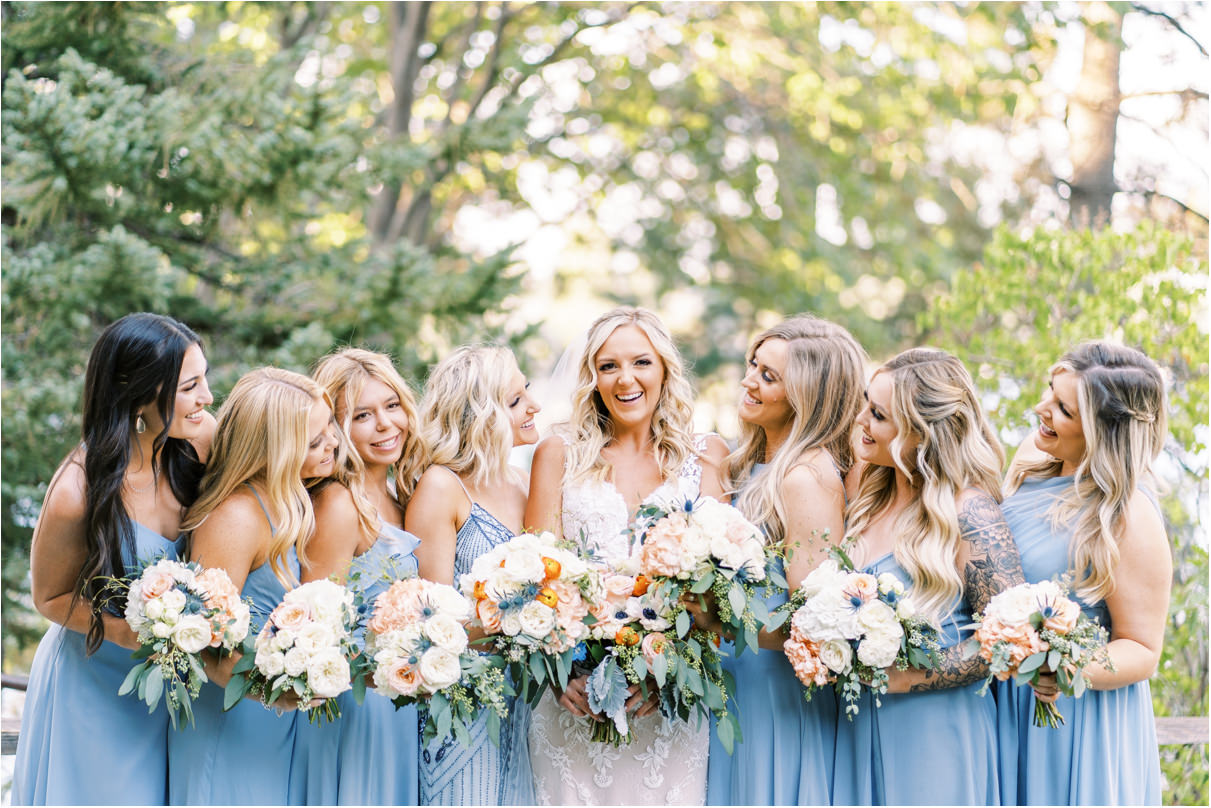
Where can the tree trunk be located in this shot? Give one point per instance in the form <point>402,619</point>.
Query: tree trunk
<point>409,22</point>
<point>1093,117</point>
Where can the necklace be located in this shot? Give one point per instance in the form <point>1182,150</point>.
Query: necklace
<point>155,479</point>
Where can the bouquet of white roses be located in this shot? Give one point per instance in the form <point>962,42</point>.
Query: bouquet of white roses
<point>1030,629</point>
<point>529,597</point>
<point>305,647</point>
<point>693,546</point>
<point>850,626</point>
<point>178,609</point>
<point>417,651</point>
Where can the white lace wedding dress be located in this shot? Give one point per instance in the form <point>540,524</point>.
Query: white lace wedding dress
<point>665,764</point>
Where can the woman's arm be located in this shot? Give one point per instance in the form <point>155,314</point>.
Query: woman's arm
<point>1139,604</point>
<point>58,553</point>
<point>437,509</point>
<point>338,532</point>
<point>714,456</point>
<point>990,565</point>
<point>544,506</point>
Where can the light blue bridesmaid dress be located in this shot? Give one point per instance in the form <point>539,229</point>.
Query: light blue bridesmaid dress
<point>368,756</point>
<point>786,756</point>
<point>81,743</point>
<point>482,773</point>
<point>1105,753</point>
<point>242,756</point>
<point>936,747</point>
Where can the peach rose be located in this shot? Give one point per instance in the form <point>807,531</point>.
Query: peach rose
<point>403,678</point>
<point>156,584</point>
<point>1065,613</point>
<point>653,646</point>
<point>489,615</point>
<point>661,552</point>
<point>292,616</point>
<point>862,586</point>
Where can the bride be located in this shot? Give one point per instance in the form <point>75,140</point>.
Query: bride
<point>629,435</point>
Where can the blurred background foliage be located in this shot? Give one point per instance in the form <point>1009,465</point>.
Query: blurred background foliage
<point>1001,179</point>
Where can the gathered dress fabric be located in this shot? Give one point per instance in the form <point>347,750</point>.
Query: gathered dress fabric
<point>482,773</point>
<point>935,747</point>
<point>1105,752</point>
<point>665,763</point>
<point>371,754</point>
<point>81,743</point>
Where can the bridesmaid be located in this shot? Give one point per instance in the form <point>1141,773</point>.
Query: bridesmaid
<point>115,501</point>
<point>1081,498</point>
<point>254,519</point>
<point>926,511</point>
<point>359,534</point>
<point>802,391</point>
<point>475,409</point>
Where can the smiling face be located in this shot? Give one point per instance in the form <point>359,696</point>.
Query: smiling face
<point>521,409</point>
<point>764,402</point>
<point>630,375</point>
<point>378,425</point>
<point>191,400</point>
<point>1060,433</point>
<point>321,442</point>
<point>878,430</point>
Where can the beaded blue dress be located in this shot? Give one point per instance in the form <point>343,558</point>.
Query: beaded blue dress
<point>482,773</point>
<point>368,756</point>
<point>786,756</point>
<point>81,743</point>
<point>242,756</point>
<point>1106,752</point>
<point>937,747</point>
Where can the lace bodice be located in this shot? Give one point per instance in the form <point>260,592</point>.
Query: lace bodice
<point>595,513</point>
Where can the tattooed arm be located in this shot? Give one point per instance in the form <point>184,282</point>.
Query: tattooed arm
<point>990,565</point>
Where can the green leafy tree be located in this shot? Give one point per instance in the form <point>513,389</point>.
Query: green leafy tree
<point>1032,298</point>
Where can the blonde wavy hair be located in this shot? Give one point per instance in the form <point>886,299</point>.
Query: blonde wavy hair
<point>933,400</point>
<point>262,438</point>
<point>589,428</point>
<point>464,421</point>
<point>344,374</point>
<point>824,379</point>
<point>1122,406</point>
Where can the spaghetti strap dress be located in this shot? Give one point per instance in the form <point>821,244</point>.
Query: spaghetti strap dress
<point>369,755</point>
<point>936,747</point>
<point>481,773</point>
<point>786,755</point>
<point>242,756</point>
<point>81,743</point>
<point>1105,752</point>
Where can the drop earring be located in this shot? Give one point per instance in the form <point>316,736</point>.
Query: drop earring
<point>140,424</point>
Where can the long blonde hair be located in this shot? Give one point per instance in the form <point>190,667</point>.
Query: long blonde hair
<point>262,438</point>
<point>933,400</point>
<point>344,374</point>
<point>823,379</point>
<point>589,429</point>
<point>464,422</point>
<point>1121,403</point>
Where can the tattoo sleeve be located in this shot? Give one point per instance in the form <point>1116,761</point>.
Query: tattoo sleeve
<point>993,565</point>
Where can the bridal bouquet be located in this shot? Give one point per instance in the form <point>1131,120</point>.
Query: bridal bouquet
<point>417,651</point>
<point>530,597</point>
<point>850,626</point>
<point>305,647</point>
<point>1030,629</point>
<point>632,644</point>
<point>178,609</point>
<point>694,546</point>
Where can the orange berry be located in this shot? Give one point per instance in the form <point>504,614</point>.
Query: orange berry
<point>627,636</point>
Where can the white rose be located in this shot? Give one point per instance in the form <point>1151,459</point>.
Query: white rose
<point>827,576</point>
<point>890,583</point>
<point>906,608</point>
<point>183,574</point>
<point>827,616</point>
<point>439,668</point>
<point>328,674</point>
<point>510,624</point>
<point>879,650</point>
<point>314,636</point>
<point>537,619</point>
<point>523,567</point>
<point>154,609</point>
<point>270,663</point>
<point>877,617</point>
<point>1014,606</point>
<point>192,633</point>
<point>447,633</point>
<point>448,601</point>
<point>295,662</point>
<point>174,601</point>
<point>328,601</point>
<point>161,629</point>
<point>283,640</point>
<point>237,631</point>
<point>836,655</point>
<point>695,549</point>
